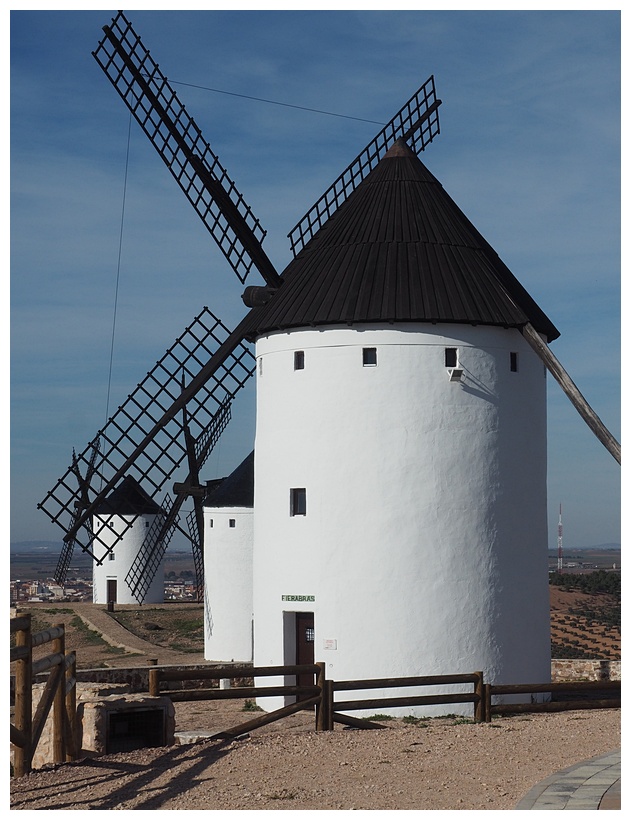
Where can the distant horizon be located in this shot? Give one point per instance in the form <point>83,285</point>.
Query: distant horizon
<point>56,545</point>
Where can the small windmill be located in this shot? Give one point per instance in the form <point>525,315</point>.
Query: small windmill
<point>177,413</point>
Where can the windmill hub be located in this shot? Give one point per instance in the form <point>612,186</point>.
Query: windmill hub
<point>187,488</point>
<point>257,296</point>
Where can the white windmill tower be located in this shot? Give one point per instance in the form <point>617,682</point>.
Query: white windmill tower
<point>228,542</point>
<point>400,458</point>
<point>400,454</point>
<point>120,528</point>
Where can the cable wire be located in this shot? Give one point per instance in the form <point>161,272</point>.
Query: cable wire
<point>118,270</point>
<point>275,102</point>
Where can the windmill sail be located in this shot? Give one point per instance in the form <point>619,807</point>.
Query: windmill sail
<point>149,557</point>
<point>179,142</point>
<point>416,122</point>
<point>145,438</point>
<point>81,502</point>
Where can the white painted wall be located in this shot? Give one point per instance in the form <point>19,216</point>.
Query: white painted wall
<point>228,584</point>
<point>125,552</point>
<point>425,540</point>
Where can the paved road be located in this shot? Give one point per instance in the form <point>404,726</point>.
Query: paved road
<point>592,784</point>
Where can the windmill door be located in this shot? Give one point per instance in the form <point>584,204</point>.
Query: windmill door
<point>111,590</point>
<point>305,643</point>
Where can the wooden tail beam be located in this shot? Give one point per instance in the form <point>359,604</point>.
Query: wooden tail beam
<point>571,391</point>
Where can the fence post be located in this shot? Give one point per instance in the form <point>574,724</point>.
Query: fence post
<point>487,702</point>
<point>329,723</point>
<point>478,712</point>
<point>24,700</point>
<point>59,704</point>
<point>72,748</point>
<point>320,705</point>
<point>154,682</point>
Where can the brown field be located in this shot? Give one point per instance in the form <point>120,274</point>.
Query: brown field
<point>579,623</point>
<point>169,628</point>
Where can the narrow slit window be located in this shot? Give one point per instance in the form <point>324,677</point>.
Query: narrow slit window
<point>212,522</point>
<point>260,367</point>
<point>514,362</point>
<point>232,522</point>
<point>299,360</point>
<point>451,357</point>
<point>369,356</point>
<point>297,501</point>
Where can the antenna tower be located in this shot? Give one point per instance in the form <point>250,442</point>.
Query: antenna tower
<point>560,543</point>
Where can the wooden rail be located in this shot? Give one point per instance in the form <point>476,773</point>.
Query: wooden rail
<point>307,696</point>
<point>334,708</point>
<point>585,688</point>
<point>59,694</point>
<point>321,694</point>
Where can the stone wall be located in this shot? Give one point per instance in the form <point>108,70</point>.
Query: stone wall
<point>576,670</point>
<point>94,718</point>
<point>95,703</point>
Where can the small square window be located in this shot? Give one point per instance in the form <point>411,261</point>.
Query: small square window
<point>112,556</point>
<point>451,357</point>
<point>232,522</point>
<point>299,360</point>
<point>369,356</point>
<point>513,362</point>
<point>298,501</point>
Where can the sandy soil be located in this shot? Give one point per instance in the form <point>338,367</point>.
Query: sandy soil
<point>442,763</point>
<point>439,764</point>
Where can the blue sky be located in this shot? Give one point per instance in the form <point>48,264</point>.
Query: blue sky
<point>529,149</point>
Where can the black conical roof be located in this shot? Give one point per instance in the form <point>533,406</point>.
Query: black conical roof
<point>129,499</point>
<point>399,250</point>
<point>237,490</point>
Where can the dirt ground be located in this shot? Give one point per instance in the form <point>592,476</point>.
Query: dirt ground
<point>441,763</point>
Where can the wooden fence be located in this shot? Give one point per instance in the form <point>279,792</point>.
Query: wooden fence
<point>59,694</point>
<point>334,708</point>
<point>307,697</point>
<point>321,695</point>
<point>564,696</point>
<point>328,711</point>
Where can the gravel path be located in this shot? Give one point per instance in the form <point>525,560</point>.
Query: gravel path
<point>439,764</point>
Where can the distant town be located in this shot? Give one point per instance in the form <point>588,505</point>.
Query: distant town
<point>33,566</point>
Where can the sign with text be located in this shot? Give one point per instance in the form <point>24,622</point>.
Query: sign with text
<point>297,597</point>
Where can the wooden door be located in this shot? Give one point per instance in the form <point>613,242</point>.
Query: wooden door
<point>111,590</point>
<point>305,646</point>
